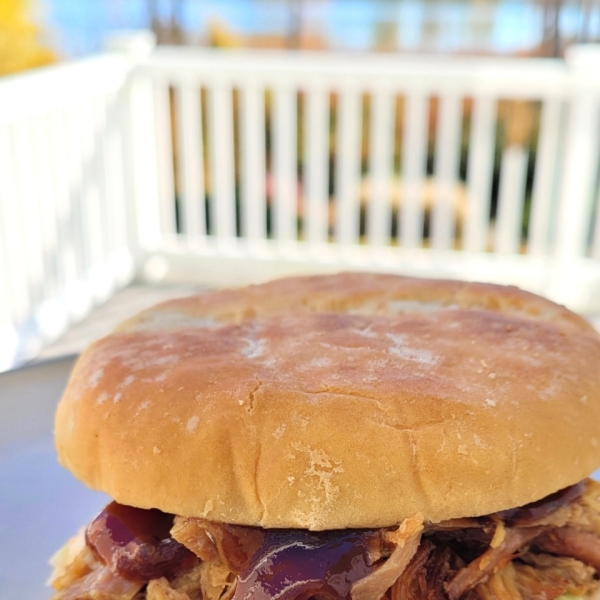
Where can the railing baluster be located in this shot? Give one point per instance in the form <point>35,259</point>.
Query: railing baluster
<point>222,186</point>
<point>110,222</point>
<point>8,333</point>
<point>511,197</point>
<point>447,157</point>
<point>545,178</point>
<point>190,162</point>
<point>45,193</point>
<point>596,229</point>
<point>120,261</point>
<point>94,224</point>
<point>381,154</point>
<point>253,154</point>
<point>347,175</point>
<point>579,171</point>
<point>284,157</point>
<point>52,314</point>
<point>316,159</point>
<point>12,228</point>
<point>164,149</point>
<point>414,157</point>
<point>9,340</point>
<point>139,122</point>
<point>479,173</point>
<point>81,296</point>
<point>66,236</point>
<point>26,205</point>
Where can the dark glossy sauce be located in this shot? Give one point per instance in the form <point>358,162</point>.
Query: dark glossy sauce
<point>537,510</point>
<point>136,543</point>
<point>297,564</point>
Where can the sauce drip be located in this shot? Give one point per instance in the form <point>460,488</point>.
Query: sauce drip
<point>296,564</point>
<point>136,543</point>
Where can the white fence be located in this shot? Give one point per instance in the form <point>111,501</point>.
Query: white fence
<point>478,168</point>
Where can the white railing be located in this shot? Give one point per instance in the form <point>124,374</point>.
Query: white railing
<point>245,121</point>
<point>67,230</point>
<point>284,161</point>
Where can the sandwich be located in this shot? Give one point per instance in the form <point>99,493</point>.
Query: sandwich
<point>341,437</point>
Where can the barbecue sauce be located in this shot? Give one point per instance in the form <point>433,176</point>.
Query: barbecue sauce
<point>296,565</point>
<point>137,544</point>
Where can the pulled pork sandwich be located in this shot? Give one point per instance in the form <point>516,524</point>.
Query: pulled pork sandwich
<point>347,437</point>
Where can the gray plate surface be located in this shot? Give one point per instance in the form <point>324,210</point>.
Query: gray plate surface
<point>41,504</point>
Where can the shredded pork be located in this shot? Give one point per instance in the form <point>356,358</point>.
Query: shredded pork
<point>508,556</point>
<point>490,561</point>
<point>99,584</point>
<point>161,589</point>
<point>569,541</point>
<point>406,540</point>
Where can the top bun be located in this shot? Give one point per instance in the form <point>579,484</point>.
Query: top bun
<point>352,400</point>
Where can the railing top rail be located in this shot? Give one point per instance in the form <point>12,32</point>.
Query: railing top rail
<point>36,92</point>
<point>479,75</point>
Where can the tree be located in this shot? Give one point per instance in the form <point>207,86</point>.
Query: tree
<point>19,47</point>
<point>169,32</point>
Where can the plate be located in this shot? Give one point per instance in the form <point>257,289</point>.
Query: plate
<point>41,504</point>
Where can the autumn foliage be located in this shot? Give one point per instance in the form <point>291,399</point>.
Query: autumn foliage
<point>19,45</point>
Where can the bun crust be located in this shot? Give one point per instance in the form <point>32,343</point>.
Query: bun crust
<point>333,420</point>
<point>354,293</point>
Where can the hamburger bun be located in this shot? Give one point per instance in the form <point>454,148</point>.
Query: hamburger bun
<point>333,402</point>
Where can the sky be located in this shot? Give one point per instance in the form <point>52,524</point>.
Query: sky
<point>78,27</point>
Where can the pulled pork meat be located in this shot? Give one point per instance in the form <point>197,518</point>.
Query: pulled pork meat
<point>542,551</point>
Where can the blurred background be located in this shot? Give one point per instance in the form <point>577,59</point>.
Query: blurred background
<point>197,143</point>
<point>72,28</point>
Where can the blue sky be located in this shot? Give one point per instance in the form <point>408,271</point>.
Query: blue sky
<point>79,26</point>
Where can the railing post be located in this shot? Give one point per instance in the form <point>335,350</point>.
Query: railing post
<point>138,122</point>
<point>579,169</point>
<point>580,155</point>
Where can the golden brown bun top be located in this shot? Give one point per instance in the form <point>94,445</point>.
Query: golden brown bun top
<point>486,399</point>
<point>354,293</point>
